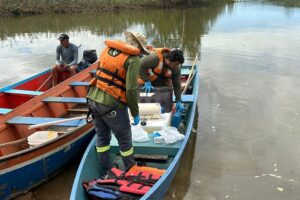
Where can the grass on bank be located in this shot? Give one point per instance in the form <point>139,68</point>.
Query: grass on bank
<point>31,7</point>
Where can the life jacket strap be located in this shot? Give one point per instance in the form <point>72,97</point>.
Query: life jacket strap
<point>113,75</point>
<point>110,82</point>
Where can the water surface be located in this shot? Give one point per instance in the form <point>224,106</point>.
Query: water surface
<point>246,145</point>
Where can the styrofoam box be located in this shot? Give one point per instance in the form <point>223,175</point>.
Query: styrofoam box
<point>40,137</point>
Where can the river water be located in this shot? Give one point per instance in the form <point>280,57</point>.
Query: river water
<point>247,136</point>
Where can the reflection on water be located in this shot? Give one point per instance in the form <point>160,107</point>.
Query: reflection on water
<point>28,43</point>
<point>181,182</point>
<point>247,142</point>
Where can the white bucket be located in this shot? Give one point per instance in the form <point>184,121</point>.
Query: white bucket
<point>40,137</point>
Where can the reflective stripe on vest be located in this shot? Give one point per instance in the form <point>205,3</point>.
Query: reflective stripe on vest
<point>127,153</point>
<point>102,149</point>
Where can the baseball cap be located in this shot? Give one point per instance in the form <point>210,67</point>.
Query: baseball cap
<point>63,36</point>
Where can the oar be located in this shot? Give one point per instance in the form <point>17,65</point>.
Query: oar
<point>55,122</point>
<point>191,75</point>
<point>13,143</point>
<point>44,82</point>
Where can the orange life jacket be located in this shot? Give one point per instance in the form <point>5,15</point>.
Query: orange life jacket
<point>139,169</point>
<point>153,74</point>
<point>111,75</point>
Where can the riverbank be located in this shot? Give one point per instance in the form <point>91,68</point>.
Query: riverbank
<point>33,7</point>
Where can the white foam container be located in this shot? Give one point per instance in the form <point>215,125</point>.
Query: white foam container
<point>40,137</point>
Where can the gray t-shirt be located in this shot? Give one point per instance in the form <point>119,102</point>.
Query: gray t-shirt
<point>68,55</point>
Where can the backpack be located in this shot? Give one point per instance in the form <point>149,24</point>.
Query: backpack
<point>89,57</point>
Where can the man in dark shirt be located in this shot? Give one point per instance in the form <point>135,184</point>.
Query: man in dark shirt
<point>162,68</point>
<point>66,58</point>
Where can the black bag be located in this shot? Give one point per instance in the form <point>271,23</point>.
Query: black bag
<point>89,57</point>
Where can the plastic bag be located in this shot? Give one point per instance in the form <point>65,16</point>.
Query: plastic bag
<point>139,134</point>
<point>171,135</point>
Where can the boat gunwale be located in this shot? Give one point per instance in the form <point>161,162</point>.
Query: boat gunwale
<point>14,85</point>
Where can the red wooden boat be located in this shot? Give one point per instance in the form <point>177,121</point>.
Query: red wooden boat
<point>18,93</point>
<point>23,167</point>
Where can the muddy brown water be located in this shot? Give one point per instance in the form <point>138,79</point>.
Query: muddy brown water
<point>246,144</point>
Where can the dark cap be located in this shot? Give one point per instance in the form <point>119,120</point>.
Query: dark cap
<point>63,36</point>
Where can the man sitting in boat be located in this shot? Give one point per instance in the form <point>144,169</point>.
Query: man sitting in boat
<point>113,89</point>
<point>162,68</point>
<point>66,58</point>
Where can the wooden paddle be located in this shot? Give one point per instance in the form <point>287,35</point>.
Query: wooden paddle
<point>44,82</point>
<point>55,122</point>
<point>191,75</point>
<point>13,143</point>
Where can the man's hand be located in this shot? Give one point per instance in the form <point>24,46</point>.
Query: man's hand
<point>136,120</point>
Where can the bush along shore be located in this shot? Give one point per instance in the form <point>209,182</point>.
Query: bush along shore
<point>33,7</point>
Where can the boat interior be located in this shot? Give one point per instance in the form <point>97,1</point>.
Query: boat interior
<point>66,100</point>
<point>16,94</point>
<point>146,153</point>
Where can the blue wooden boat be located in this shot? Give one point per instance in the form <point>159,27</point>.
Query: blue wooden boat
<point>23,166</point>
<point>90,167</point>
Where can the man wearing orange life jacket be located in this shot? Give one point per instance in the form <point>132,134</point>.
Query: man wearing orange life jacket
<point>162,68</point>
<point>113,89</point>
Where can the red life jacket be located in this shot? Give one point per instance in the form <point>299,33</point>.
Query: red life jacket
<point>131,182</point>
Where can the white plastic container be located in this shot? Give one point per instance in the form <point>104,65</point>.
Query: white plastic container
<point>40,137</point>
<point>157,124</point>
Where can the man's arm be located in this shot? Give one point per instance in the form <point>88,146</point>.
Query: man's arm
<point>58,52</point>
<point>147,62</point>
<point>177,83</point>
<point>133,64</point>
<point>75,56</point>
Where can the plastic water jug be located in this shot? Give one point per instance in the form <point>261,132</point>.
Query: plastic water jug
<point>176,119</point>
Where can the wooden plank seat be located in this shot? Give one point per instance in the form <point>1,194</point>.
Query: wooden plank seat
<point>148,147</point>
<point>187,98</point>
<point>23,92</point>
<point>80,83</point>
<point>77,100</point>
<point>93,71</point>
<point>39,120</point>
<point>4,111</point>
<point>184,71</point>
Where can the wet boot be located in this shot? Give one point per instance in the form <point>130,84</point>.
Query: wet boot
<point>105,162</point>
<point>128,161</point>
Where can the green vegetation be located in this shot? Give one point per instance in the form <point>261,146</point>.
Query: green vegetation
<point>285,3</point>
<point>31,7</point>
